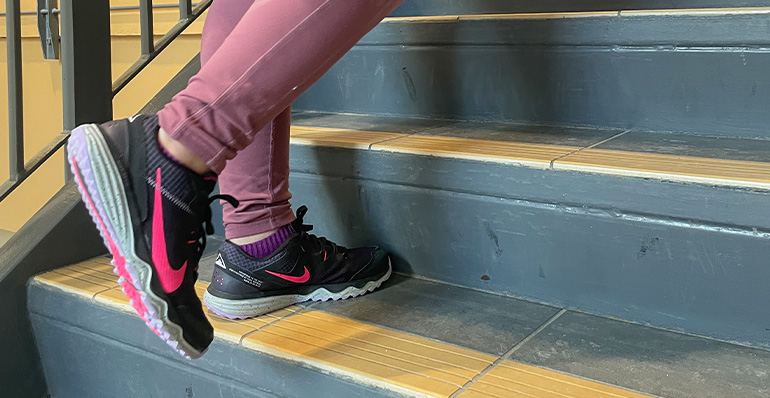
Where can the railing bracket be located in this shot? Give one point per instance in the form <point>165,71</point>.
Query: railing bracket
<point>48,26</point>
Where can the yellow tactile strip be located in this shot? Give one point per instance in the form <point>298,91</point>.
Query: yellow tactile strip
<point>477,149</point>
<point>639,164</point>
<point>341,138</point>
<point>94,279</point>
<point>696,169</point>
<point>537,155</point>
<point>85,279</point>
<point>409,362</point>
<point>513,379</point>
<point>583,14</point>
<point>370,354</point>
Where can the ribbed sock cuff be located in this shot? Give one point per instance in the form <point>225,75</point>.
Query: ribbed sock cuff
<point>267,246</point>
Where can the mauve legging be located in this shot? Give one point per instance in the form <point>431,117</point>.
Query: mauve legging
<point>257,56</point>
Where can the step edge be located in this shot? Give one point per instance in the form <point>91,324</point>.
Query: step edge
<point>356,377</point>
<point>255,347</point>
<point>717,11</point>
<point>556,164</point>
<point>682,178</point>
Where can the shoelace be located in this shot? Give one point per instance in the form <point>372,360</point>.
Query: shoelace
<point>319,244</point>
<point>208,228</point>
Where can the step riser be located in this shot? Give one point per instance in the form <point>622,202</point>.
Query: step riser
<point>110,345</point>
<point>45,242</point>
<point>700,92</point>
<point>452,7</point>
<point>620,72</point>
<point>649,269</point>
<point>726,207</point>
<point>651,29</point>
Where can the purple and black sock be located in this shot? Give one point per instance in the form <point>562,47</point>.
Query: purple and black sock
<point>265,247</point>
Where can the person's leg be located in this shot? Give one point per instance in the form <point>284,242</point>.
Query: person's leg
<point>149,198</point>
<point>259,175</point>
<point>261,267</point>
<point>277,50</point>
<point>259,178</point>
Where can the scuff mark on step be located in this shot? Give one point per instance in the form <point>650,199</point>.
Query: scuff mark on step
<point>649,244</point>
<point>410,88</point>
<point>493,237</point>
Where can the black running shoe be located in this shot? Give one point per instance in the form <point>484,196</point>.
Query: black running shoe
<point>304,268</point>
<point>150,212</point>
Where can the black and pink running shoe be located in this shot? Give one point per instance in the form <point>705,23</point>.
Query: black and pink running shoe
<point>151,212</point>
<point>304,268</point>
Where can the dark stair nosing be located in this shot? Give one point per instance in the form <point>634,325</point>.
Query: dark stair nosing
<point>453,7</point>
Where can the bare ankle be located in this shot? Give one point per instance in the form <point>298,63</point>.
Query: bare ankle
<point>253,238</point>
<point>181,154</point>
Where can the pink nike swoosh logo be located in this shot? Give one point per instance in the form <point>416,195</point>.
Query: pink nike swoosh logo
<point>170,279</point>
<point>294,279</point>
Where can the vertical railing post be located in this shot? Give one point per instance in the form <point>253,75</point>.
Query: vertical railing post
<point>86,62</point>
<point>147,27</point>
<point>185,9</point>
<point>15,97</point>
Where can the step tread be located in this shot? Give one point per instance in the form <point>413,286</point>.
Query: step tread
<point>354,345</point>
<point>709,160</point>
<point>712,11</point>
<point>670,166</point>
<point>404,362</point>
<point>511,377</point>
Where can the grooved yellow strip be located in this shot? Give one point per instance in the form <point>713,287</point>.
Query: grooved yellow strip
<point>97,266</point>
<point>85,279</point>
<point>234,330</point>
<point>583,14</point>
<point>513,379</point>
<point>227,329</point>
<point>462,358</point>
<point>72,285</point>
<point>512,16</point>
<point>477,149</point>
<point>341,138</point>
<point>369,339</point>
<point>104,261</point>
<point>662,166</point>
<point>393,358</point>
<point>699,11</point>
<point>114,297</point>
<point>649,165</point>
<point>95,279</point>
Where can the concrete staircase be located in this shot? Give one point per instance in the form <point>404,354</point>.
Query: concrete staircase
<point>576,200</point>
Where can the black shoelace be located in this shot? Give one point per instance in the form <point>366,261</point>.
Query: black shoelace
<point>208,227</point>
<point>319,244</point>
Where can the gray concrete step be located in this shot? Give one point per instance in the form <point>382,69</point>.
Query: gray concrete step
<point>469,204</point>
<point>410,338</point>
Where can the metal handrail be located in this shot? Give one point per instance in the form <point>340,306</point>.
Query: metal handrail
<point>81,104</point>
<point>116,8</point>
<point>187,15</point>
<point>15,93</point>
